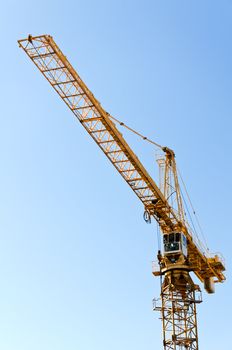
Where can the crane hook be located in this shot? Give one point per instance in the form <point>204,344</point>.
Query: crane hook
<point>147,217</point>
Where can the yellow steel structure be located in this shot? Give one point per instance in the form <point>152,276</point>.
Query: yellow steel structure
<point>179,295</point>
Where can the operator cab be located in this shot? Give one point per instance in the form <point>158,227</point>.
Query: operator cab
<point>174,243</point>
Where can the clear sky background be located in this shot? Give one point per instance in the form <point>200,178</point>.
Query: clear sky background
<point>75,253</point>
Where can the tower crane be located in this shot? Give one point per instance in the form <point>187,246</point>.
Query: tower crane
<point>181,251</point>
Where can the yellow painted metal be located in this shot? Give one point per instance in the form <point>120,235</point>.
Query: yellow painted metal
<point>178,292</point>
<point>177,305</point>
<point>55,67</point>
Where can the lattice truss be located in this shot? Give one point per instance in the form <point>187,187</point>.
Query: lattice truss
<point>55,67</point>
<point>179,322</point>
<point>58,71</point>
<point>178,313</point>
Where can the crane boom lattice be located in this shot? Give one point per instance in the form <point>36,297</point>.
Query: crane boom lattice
<point>182,251</point>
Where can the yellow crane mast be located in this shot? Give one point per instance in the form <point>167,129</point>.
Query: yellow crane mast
<point>182,252</point>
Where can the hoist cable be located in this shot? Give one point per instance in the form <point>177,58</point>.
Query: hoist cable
<point>187,194</point>
<point>193,209</point>
<point>189,215</point>
<point>158,236</point>
<point>135,132</point>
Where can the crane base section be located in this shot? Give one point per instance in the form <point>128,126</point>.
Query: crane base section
<point>179,296</point>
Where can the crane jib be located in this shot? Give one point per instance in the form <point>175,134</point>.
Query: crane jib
<point>55,67</point>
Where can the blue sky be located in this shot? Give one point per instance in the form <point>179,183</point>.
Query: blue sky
<point>75,253</point>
